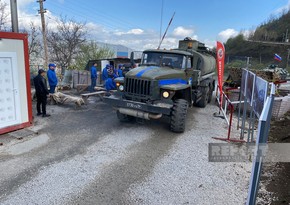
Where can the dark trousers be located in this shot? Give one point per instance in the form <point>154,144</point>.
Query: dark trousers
<point>41,100</point>
<point>93,85</point>
<point>52,88</point>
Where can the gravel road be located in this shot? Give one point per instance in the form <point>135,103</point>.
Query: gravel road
<point>86,156</point>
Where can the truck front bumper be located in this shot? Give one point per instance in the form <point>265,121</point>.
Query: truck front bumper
<point>158,108</point>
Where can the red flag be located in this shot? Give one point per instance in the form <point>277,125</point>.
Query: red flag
<point>220,66</point>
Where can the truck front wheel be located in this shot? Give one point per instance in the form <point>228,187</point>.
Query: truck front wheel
<point>178,115</point>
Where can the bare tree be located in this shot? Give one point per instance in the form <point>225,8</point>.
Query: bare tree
<point>34,41</point>
<point>3,15</point>
<point>64,43</point>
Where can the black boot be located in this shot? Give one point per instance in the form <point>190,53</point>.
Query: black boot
<point>45,115</point>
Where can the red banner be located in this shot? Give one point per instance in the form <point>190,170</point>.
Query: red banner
<point>220,66</point>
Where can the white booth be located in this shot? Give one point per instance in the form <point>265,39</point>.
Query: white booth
<point>15,91</point>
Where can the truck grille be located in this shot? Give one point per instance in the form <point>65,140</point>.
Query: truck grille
<point>138,87</point>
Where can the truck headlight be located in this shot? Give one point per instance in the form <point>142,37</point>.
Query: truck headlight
<point>165,94</point>
<point>121,87</point>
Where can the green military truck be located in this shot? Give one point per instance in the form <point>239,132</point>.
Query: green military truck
<point>166,82</point>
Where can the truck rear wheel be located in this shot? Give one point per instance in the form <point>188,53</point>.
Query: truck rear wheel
<point>124,118</point>
<point>204,98</point>
<point>178,115</point>
<point>210,95</point>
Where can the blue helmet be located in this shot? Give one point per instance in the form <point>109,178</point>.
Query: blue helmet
<point>51,65</point>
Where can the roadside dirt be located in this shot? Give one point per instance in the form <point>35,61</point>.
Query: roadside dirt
<point>275,178</point>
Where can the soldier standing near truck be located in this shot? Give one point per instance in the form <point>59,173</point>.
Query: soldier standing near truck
<point>167,82</point>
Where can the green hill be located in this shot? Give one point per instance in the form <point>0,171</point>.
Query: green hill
<point>269,38</point>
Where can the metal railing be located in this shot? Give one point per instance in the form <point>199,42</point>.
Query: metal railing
<point>226,106</point>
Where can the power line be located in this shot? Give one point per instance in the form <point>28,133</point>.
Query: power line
<point>105,20</point>
<point>161,20</point>
<point>25,16</point>
<point>116,19</point>
<point>270,42</point>
<point>78,14</point>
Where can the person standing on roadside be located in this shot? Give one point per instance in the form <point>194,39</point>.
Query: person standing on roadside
<point>41,93</point>
<point>93,77</point>
<point>51,76</point>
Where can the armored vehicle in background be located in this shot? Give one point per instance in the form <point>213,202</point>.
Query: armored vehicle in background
<point>166,82</point>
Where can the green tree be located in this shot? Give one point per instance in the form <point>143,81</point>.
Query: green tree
<point>235,45</point>
<point>91,51</point>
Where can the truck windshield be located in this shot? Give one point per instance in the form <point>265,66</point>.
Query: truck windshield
<point>164,59</point>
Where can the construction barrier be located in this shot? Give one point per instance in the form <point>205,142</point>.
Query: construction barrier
<point>227,108</point>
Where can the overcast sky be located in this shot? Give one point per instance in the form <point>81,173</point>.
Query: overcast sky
<point>137,23</point>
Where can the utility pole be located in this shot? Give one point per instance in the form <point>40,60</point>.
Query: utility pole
<point>14,16</point>
<point>248,61</point>
<point>287,62</point>
<point>41,11</point>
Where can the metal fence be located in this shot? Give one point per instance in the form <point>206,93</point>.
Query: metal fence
<point>256,100</point>
<point>262,138</point>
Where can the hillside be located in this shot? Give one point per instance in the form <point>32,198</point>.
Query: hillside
<point>269,38</point>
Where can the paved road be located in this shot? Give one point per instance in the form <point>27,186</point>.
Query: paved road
<point>87,156</point>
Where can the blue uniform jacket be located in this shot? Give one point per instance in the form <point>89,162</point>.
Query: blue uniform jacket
<point>120,73</point>
<point>105,74</point>
<point>93,72</point>
<point>51,76</point>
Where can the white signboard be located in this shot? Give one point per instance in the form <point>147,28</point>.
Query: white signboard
<point>15,92</point>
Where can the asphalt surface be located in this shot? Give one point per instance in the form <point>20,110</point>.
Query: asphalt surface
<point>86,156</point>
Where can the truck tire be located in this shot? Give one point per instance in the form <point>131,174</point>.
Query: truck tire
<point>210,95</point>
<point>124,118</point>
<point>178,115</point>
<point>204,98</point>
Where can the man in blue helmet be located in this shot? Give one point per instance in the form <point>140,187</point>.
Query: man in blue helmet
<point>51,76</point>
